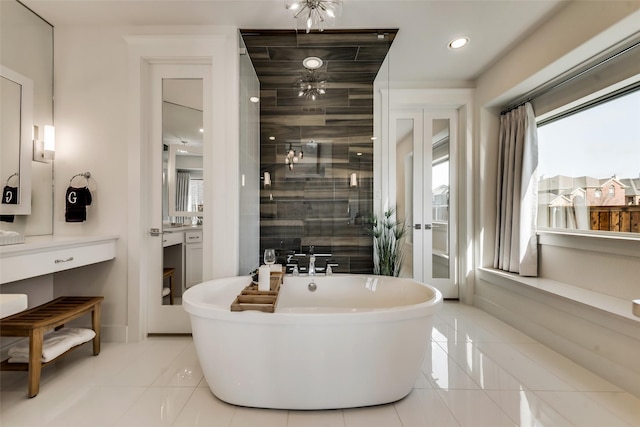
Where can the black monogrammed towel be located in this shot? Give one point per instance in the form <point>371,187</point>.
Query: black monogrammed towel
<point>77,200</point>
<point>10,195</point>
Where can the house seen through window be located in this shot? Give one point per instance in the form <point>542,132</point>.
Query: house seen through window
<point>589,167</point>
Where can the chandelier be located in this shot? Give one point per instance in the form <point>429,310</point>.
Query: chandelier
<point>292,157</point>
<point>314,13</point>
<point>310,85</point>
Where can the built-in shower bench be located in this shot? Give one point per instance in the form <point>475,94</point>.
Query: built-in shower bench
<point>33,323</point>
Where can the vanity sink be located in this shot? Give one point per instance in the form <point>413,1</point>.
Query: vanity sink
<point>636,307</point>
<point>12,304</point>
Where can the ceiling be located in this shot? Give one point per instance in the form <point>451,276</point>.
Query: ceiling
<point>419,54</point>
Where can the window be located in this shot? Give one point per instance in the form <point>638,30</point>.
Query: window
<point>589,172</point>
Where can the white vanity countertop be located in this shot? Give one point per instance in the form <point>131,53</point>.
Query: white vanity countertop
<point>176,229</point>
<point>36,243</point>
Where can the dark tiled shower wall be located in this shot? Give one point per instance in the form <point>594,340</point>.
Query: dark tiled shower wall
<point>325,212</point>
<point>314,204</point>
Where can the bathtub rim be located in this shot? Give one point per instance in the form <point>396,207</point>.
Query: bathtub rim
<point>237,283</point>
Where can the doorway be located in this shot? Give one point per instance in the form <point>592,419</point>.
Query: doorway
<point>176,191</point>
<point>424,144</point>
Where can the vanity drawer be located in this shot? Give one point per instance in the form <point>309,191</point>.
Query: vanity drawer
<point>193,237</point>
<point>170,239</point>
<point>51,261</point>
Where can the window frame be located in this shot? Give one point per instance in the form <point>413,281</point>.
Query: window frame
<point>619,89</point>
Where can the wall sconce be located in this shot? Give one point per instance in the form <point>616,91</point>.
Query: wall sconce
<point>267,179</point>
<point>353,180</point>
<point>44,149</point>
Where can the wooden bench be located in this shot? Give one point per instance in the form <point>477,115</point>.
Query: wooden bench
<point>33,323</point>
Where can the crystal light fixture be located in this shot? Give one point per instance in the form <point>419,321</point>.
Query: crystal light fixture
<point>311,86</point>
<point>292,157</point>
<point>314,13</point>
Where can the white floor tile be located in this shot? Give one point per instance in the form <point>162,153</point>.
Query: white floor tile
<point>251,417</point>
<point>101,406</point>
<point>184,371</point>
<point>204,409</point>
<point>332,418</point>
<point>580,410</point>
<point>624,405</point>
<point>482,369</point>
<point>157,406</point>
<point>374,416</point>
<point>444,373</point>
<point>531,374</point>
<point>424,408</point>
<point>474,408</point>
<point>527,409</point>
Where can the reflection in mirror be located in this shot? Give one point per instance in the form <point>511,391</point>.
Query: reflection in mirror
<point>440,195</point>
<point>182,186</point>
<point>16,112</point>
<point>9,136</point>
<point>182,139</point>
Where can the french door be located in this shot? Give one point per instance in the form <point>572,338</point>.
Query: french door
<point>425,145</point>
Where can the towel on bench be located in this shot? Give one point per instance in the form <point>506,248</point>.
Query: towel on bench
<point>54,344</point>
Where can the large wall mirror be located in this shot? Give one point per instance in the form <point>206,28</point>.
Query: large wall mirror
<point>26,58</point>
<point>182,131</point>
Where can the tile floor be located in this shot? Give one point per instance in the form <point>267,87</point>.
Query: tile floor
<point>480,372</point>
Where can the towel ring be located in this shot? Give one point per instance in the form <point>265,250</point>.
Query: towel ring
<point>11,176</point>
<point>86,176</point>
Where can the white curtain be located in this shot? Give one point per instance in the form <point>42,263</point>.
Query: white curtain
<point>516,247</point>
<point>182,191</point>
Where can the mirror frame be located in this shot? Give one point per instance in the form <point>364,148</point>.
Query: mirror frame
<point>26,145</point>
<point>173,174</point>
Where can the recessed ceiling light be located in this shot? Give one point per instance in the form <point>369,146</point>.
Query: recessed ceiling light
<point>358,154</point>
<point>254,99</point>
<point>312,63</point>
<point>201,130</point>
<point>458,42</point>
<point>272,138</point>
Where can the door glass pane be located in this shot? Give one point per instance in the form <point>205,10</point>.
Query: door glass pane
<point>404,188</point>
<point>440,198</point>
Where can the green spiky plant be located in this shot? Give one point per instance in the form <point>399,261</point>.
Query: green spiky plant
<point>388,252</point>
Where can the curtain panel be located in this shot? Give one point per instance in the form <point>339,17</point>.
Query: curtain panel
<point>516,248</point>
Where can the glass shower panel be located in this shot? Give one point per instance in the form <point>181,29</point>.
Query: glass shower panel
<point>404,187</point>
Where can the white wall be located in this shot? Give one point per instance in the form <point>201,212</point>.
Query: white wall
<point>605,343</point>
<point>92,85</point>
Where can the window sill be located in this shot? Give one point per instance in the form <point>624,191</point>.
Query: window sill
<point>597,300</point>
<point>624,244</point>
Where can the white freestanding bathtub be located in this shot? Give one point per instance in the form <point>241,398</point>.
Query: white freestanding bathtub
<point>356,340</point>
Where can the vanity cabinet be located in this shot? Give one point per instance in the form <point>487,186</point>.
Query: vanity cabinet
<point>49,254</point>
<point>193,257</point>
<point>183,251</point>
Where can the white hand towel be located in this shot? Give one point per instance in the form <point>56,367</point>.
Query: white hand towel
<point>54,344</point>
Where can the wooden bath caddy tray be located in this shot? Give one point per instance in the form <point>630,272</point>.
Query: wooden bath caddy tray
<point>252,299</point>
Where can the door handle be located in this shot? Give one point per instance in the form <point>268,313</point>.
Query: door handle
<point>155,232</point>
<point>419,226</point>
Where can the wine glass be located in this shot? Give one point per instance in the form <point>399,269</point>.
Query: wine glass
<point>269,256</point>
